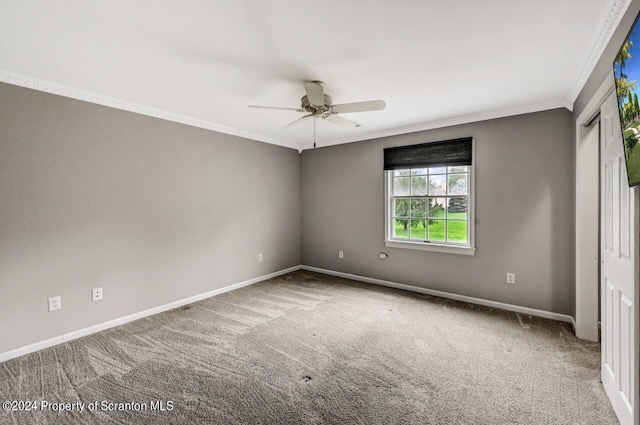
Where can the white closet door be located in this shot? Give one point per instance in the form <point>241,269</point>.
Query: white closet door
<point>619,271</point>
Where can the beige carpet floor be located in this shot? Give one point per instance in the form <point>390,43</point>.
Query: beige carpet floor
<point>306,348</point>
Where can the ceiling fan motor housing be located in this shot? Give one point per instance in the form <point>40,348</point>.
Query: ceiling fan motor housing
<point>328,101</point>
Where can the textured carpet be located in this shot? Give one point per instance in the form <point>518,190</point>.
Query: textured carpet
<point>308,348</point>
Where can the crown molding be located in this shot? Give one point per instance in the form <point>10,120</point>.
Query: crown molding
<point>449,122</point>
<point>617,11</point>
<point>60,90</point>
<point>98,99</point>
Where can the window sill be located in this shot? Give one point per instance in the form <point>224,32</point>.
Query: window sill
<point>422,246</point>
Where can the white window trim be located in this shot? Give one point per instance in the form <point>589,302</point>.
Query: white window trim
<point>432,246</point>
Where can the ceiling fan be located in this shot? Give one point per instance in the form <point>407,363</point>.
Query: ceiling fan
<point>320,105</point>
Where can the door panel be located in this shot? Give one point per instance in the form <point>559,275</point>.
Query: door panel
<point>625,347</point>
<point>624,213</point>
<point>608,207</point>
<point>607,334</point>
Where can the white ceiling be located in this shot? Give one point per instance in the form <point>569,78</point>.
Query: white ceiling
<point>202,62</point>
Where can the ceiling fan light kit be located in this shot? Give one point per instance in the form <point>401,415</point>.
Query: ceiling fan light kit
<point>320,105</point>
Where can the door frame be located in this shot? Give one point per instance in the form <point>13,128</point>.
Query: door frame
<point>587,257</point>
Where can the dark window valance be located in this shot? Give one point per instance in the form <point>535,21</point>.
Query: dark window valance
<point>435,154</point>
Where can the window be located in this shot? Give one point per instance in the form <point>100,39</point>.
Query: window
<point>429,204</point>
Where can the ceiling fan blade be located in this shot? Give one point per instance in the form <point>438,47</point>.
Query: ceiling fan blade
<point>339,121</point>
<point>315,92</point>
<point>277,107</point>
<point>369,105</point>
<point>299,120</point>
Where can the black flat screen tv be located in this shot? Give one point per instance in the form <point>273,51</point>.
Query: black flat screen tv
<point>626,71</point>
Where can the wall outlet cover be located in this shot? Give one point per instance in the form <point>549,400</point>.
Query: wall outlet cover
<point>96,294</point>
<point>55,303</point>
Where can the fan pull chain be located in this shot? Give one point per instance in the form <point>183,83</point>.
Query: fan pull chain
<point>314,132</point>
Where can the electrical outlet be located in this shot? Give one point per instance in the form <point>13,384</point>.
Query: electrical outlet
<point>55,303</point>
<point>383,256</point>
<point>96,294</point>
<point>341,254</point>
<point>260,258</point>
<point>511,278</point>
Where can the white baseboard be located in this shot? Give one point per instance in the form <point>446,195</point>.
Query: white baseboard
<point>8,355</point>
<point>480,301</point>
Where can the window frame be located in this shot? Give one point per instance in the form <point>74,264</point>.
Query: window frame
<point>445,247</point>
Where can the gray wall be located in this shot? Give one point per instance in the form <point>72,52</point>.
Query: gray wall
<point>152,211</point>
<point>524,213</point>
